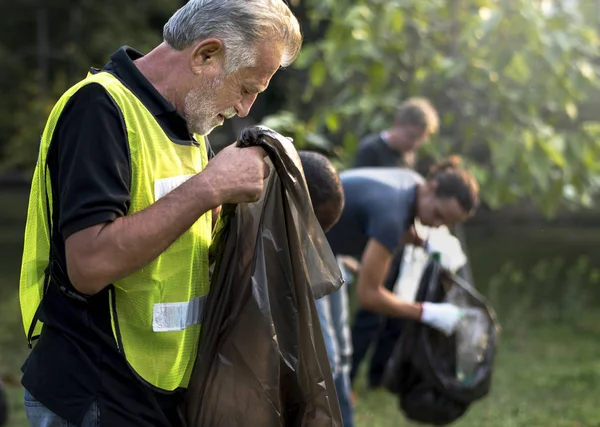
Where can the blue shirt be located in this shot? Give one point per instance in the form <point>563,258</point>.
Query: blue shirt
<point>379,204</point>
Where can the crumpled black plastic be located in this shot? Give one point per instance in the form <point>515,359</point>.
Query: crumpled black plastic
<point>262,360</point>
<point>422,368</point>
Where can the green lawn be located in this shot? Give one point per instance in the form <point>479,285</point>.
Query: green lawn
<point>548,366</point>
<point>544,377</point>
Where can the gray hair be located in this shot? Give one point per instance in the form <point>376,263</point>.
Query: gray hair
<point>239,24</point>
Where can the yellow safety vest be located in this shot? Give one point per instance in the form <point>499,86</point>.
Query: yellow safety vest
<point>156,312</point>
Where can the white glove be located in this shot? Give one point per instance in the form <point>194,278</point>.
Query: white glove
<point>443,316</point>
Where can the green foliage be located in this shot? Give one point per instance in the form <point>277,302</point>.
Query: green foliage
<point>550,291</point>
<point>48,46</point>
<point>509,79</point>
<point>516,84</point>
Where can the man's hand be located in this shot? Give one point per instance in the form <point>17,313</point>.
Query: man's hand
<point>236,175</point>
<point>350,263</point>
<point>444,317</point>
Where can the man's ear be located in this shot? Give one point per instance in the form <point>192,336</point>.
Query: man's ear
<point>209,52</point>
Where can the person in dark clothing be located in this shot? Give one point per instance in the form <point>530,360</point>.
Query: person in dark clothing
<point>327,197</point>
<point>324,187</point>
<point>415,121</point>
<point>380,207</point>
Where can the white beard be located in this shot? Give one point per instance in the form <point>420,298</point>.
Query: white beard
<point>200,108</point>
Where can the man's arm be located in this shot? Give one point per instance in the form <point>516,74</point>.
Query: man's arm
<point>351,263</point>
<point>386,231</point>
<point>371,293</point>
<point>103,245</point>
<point>105,253</point>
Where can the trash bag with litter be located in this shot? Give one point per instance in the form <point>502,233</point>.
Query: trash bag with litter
<point>436,377</point>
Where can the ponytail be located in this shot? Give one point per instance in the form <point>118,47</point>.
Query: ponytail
<point>455,182</point>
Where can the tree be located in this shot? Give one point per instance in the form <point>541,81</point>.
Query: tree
<point>508,77</point>
<point>49,45</point>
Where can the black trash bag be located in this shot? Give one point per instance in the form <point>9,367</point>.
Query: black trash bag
<point>262,359</point>
<point>435,377</point>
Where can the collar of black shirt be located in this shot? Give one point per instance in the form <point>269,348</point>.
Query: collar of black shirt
<point>121,66</point>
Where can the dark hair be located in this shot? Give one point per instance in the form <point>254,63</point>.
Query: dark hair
<point>454,181</point>
<point>418,112</point>
<point>324,187</point>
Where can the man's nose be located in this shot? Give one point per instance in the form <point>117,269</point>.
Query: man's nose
<point>243,107</point>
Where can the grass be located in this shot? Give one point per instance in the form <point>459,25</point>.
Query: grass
<point>543,377</point>
<point>547,371</point>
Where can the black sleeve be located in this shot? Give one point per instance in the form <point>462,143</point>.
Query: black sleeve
<point>89,161</point>
<point>366,154</point>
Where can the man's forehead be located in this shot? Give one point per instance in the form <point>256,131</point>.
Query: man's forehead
<point>268,59</point>
<point>254,80</point>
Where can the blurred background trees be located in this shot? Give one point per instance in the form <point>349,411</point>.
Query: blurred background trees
<point>46,46</point>
<point>516,82</point>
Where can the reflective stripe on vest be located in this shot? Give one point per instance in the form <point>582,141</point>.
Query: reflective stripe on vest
<point>156,312</point>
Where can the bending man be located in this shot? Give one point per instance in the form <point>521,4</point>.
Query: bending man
<point>380,207</point>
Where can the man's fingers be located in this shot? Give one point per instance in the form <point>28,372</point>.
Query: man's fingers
<point>259,150</point>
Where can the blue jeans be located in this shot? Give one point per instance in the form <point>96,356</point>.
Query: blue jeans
<point>333,315</point>
<point>40,416</point>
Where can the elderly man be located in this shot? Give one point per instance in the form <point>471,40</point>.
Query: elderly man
<point>115,264</point>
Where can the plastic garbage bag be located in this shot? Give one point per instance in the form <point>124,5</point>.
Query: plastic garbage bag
<point>471,342</point>
<point>262,359</point>
<point>414,258</point>
<point>435,377</point>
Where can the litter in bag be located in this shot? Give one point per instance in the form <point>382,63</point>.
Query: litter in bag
<point>262,359</point>
<point>435,377</point>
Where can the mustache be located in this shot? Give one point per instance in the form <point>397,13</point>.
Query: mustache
<point>228,114</point>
